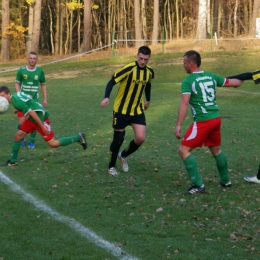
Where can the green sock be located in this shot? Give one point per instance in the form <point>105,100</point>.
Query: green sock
<point>69,140</point>
<point>32,136</point>
<point>221,161</point>
<point>192,169</point>
<point>15,151</point>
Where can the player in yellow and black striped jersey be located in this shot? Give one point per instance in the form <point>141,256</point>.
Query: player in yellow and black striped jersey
<point>134,82</point>
<point>255,76</point>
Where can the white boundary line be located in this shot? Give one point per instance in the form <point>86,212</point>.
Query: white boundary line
<point>76,226</point>
<point>67,58</point>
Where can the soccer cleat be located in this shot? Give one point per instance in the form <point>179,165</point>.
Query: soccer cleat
<point>195,189</point>
<point>31,145</point>
<point>123,162</point>
<point>83,141</point>
<point>112,171</point>
<point>9,163</point>
<point>227,185</point>
<point>252,179</point>
<point>23,143</point>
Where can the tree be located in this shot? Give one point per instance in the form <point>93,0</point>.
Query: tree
<point>138,30</point>
<point>155,22</point>
<point>5,50</point>
<point>255,15</point>
<point>201,29</point>
<point>87,26</point>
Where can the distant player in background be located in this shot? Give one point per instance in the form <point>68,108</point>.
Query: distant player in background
<point>199,92</point>
<point>28,79</point>
<point>37,119</point>
<point>135,80</point>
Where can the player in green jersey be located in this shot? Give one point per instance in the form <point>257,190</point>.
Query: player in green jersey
<point>135,80</point>
<point>28,79</point>
<point>37,119</point>
<point>199,92</point>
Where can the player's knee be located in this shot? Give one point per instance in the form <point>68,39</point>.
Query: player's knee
<point>119,137</point>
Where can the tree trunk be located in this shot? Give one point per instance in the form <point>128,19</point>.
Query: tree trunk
<point>155,22</point>
<point>30,28</point>
<point>201,28</point>
<point>177,20</point>
<point>235,18</point>
<point>144,23</point>
<point>37,25</point>
<point>5,50</point>
<point>138,32</point>
<point>51,31</point>
<point>255,15</point>
<point>87,26</point>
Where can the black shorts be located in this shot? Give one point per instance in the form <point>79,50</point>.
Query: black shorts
<point>121,121</point>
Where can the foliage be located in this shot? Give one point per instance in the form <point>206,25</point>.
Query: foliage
<point>17,36</point>
<point>143,212</point>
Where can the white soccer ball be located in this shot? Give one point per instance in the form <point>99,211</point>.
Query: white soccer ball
<point>4,105</point>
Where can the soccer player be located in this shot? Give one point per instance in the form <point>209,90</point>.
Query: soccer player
<point>37,119</point>
<point>199,92</point>
<point>255,179</point>
<point>135,80</point>
<point>255,76</point>
<point>28,79</point>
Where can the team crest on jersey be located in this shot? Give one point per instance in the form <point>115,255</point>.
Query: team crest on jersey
<point>36,77</point>
<point>25,76</point>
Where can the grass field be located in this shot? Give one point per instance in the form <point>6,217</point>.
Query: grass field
<point>61,203</point>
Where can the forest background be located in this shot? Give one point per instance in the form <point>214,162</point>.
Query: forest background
<point>64,27</point>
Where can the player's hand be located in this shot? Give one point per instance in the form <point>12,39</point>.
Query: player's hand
<point>15,111</point>
<point>104,102</point>
<point>146,105</point>
<point>45,130</point>
<point>177,132</point>
<point>45,103</point>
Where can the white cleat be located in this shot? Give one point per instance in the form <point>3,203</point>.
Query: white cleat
<point>252,179</point>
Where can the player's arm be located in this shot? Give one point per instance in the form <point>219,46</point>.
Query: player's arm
<point>17,86</point>
<point>255,76</point>
<point>108,90</point>
<point>232,82</point>
<point>147,95</point>
<point>185,98</point>
<point>38,121</point>
<point>44,94</point>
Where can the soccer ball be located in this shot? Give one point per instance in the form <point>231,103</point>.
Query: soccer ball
<point>4,105</point>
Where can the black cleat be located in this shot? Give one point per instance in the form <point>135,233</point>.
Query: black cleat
<point>83,141</point>
<point>195,189</point>
<point>9,163</point>
<point>227,185</point>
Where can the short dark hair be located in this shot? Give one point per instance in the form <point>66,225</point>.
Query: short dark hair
<point>193,56</point>
<point>144,50</point>
<point>4,89</point>
<point>33,52</point>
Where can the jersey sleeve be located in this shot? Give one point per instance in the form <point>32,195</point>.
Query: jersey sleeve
<point>220,81</point>
<point>122,73</point>
<point>42,77</point>
<point>185,87</point>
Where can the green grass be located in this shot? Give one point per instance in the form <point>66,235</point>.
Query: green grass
<point>142,212</point>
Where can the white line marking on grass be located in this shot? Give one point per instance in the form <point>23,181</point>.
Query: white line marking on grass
<point>241,91</point>
<point>76,226</point>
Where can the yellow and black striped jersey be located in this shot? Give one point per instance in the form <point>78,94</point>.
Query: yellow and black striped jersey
<point>130,96</point>
<point>256,76</point>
